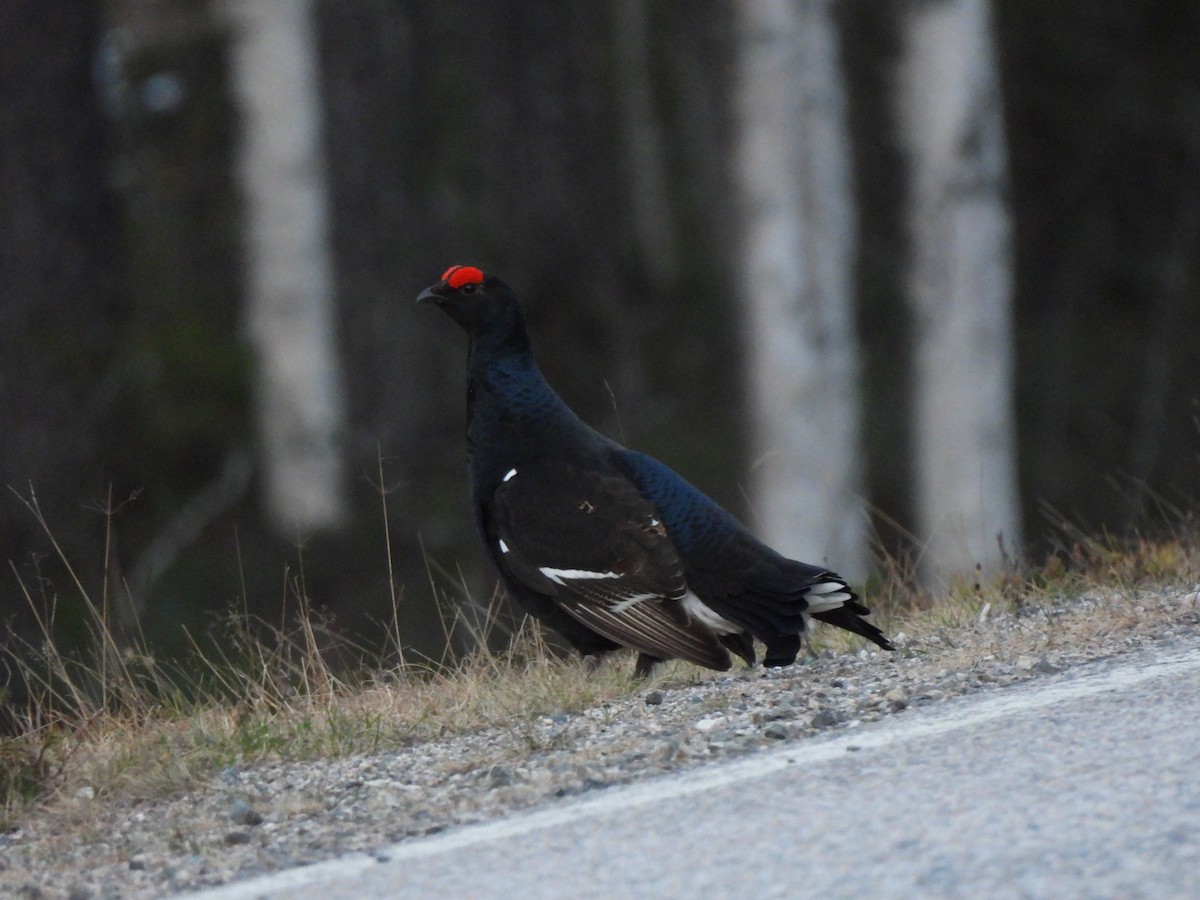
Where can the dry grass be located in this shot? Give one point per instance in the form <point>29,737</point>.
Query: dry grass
<point>136,730</point>
<point>122,726</point>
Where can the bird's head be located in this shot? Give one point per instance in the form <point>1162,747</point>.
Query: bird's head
<point>481,304</point>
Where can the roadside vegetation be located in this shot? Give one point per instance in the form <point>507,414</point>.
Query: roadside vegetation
<point>122,725</point>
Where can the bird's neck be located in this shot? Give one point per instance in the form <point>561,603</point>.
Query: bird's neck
<point>507,392</point>
<point>513,415</point>
<point>505,339</point>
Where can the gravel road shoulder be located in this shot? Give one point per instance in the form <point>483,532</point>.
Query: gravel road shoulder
<point>256,819</point>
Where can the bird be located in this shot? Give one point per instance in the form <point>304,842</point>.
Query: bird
<point>606,545</point>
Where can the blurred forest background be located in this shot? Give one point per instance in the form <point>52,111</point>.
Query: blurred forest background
<point>889,241</point>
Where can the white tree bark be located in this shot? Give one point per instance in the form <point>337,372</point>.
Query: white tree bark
<point>960,286</point>
<point>793,174</point>
<point>290,315</point>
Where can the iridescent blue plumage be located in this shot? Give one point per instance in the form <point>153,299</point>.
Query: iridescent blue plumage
<point>697,524</point>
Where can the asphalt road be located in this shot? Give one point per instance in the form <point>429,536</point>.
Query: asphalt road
<point>1082,785</point>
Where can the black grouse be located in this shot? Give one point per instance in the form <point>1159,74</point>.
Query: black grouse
<point>608,546</point>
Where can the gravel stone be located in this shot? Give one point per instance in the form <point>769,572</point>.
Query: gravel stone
<point>826,718</point>
<point>242,813</point>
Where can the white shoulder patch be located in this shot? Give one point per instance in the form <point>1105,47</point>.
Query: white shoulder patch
<point>509,474</point>
<point>503,546</point>
<point>561,576</point>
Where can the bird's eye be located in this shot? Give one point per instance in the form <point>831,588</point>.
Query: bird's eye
<point>469,288</point>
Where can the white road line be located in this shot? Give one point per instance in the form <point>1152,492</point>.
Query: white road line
<point>930,723</point>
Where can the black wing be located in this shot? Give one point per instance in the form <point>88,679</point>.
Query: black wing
<point>589,540</point>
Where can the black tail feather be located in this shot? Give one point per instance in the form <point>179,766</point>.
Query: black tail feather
<point>850,618</point>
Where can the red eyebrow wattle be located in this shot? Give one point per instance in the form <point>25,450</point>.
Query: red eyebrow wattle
<point>457,276</point>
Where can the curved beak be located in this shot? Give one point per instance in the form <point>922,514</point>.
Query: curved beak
<point>430,294</point>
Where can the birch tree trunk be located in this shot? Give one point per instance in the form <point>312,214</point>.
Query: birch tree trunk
<point>959,286</point>
<point>291,305</point>
<point>793,174</point>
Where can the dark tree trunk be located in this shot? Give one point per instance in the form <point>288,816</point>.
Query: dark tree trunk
<point>57,302</point>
